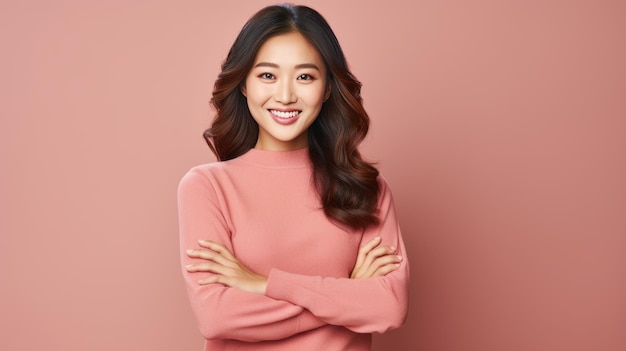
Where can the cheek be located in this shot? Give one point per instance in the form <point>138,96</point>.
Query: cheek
<point>314,97</point>
<point>256,93</point>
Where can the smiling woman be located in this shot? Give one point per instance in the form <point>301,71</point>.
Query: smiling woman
<point>285,91</point>
<point>291,240</point>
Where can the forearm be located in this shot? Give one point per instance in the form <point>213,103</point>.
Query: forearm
<point>229,313</point>
<point>361,305</point>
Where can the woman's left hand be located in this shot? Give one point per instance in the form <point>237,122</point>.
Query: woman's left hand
<point>226,268</point>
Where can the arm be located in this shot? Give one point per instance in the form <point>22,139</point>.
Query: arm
<point>224,312</point>
<point>361,305</point>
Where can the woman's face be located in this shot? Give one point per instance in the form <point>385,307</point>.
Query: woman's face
<point>285,89</point>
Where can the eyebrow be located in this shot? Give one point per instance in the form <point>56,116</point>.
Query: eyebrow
<point>300,66</point>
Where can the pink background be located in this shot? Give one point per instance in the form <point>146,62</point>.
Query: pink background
<point>499,124</point>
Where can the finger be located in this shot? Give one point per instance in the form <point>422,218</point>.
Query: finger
<point>380,251</point>
<point>382,261</point>
<point>375,253</point>
<point>386,269</point>
<point>203,267</point>
<point>365,249</point>
<point>370,245</point>
<point>209,255</point>
<point>365,258</point>
<point>386,260</point>
<point>217,248</point>
<point>210,267</point>
<point>209,280</point>
<point>219,279</point>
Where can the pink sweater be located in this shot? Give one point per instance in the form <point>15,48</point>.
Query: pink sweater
<point>263,207</point>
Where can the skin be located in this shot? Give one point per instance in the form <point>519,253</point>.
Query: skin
<point>288,75</point>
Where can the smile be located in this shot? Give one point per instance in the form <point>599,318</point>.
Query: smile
<point>285,114</point>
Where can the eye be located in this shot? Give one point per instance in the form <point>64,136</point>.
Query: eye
<point>267,76</point>
<point>305,77</point>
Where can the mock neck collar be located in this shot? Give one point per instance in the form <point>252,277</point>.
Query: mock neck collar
<point>278,159</point>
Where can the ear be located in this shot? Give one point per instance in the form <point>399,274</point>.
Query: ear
<point>243,91</point>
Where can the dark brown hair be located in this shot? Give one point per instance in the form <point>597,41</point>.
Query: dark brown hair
<point>347,185</point>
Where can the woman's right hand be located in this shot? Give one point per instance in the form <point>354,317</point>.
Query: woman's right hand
<point>375,260</point>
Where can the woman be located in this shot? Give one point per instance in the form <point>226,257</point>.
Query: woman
<point>290,242</point>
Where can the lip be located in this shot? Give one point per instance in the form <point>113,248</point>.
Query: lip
<point>284,121</point>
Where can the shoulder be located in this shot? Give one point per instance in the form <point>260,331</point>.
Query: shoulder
<point>204,175</point>
<point>214,173</point>
<point>385,197</point>
<point>196,179</point>
<point>383,184</point>
<point>203,172</point>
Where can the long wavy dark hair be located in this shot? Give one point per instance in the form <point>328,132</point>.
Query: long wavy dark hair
<point>347,185</point>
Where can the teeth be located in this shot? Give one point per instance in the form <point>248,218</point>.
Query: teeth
<point>285,114</point>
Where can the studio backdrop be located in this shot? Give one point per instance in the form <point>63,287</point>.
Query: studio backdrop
<point>500,126</point>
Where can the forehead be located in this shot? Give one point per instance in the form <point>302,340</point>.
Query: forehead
<point>288,50</point>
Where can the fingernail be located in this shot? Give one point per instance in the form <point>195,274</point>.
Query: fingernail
<point>189,252</point>
<point>202,241</point>
<point>399,258</point>
<point>392,249</point>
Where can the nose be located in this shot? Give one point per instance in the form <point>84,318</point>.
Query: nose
<point>285,93</point>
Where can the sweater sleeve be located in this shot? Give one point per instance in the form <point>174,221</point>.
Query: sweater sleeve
<point>361,305</point>
<point>224,312</point>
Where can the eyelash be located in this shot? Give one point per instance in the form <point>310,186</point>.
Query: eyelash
<point>266,76</point>
<point>306,76</point>
<point>300,77</point>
